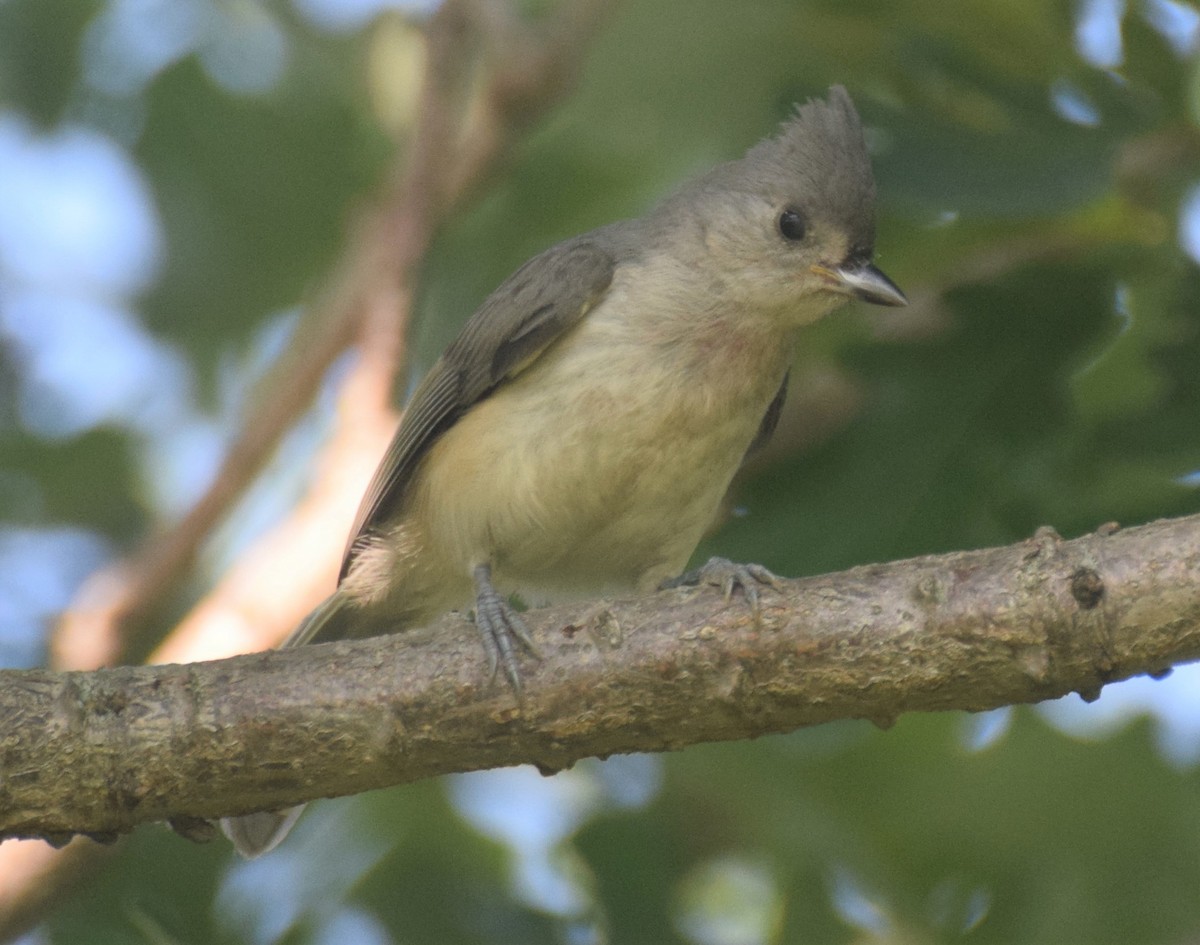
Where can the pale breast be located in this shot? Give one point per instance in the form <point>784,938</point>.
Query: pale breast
<point>601,465</point>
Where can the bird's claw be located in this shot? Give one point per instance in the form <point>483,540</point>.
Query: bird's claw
<point>729,576</point>
<point>499,626</point>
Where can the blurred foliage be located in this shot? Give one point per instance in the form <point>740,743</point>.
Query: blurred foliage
<point>1033,184</point>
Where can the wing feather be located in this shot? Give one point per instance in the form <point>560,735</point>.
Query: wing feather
<point>770,420</point>
<point>530,310</point>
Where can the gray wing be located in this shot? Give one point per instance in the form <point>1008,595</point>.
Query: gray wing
<point>770,419</point>
<point>531,309</point>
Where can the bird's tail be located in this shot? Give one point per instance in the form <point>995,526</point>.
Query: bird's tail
<point>255,834</point>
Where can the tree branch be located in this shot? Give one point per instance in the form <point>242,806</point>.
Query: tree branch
<point>98,753</point>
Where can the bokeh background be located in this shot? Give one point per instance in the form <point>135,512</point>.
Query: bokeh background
<point>177,178</point>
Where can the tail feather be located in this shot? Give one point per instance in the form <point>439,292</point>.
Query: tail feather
<point>255,834</point>
<point>320,625</point>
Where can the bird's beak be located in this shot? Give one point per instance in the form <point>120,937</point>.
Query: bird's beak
<point>865,282</point>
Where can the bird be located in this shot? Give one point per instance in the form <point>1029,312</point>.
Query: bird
<point>578,436</point>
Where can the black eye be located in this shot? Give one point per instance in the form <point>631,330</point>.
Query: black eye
<point>792,225</point>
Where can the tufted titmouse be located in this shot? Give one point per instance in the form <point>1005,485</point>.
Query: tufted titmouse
<point>579,435</point>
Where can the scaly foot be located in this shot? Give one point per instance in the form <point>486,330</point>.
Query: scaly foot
<point>728,576</point>
<point>499,626</point>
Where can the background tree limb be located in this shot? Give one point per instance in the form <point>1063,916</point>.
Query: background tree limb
<point>488,77</point>
<point>101,752</point>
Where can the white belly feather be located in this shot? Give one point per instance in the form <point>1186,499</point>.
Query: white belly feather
<point>600,466</point>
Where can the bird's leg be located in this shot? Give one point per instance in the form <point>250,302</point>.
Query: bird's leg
<point>728,576</point>
<point>499,625</point>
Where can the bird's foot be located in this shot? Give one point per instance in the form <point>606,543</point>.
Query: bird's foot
<point>728,576</point>
<point>501,628</point>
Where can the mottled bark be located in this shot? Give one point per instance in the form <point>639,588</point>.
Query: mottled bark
<point>100,752</point>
